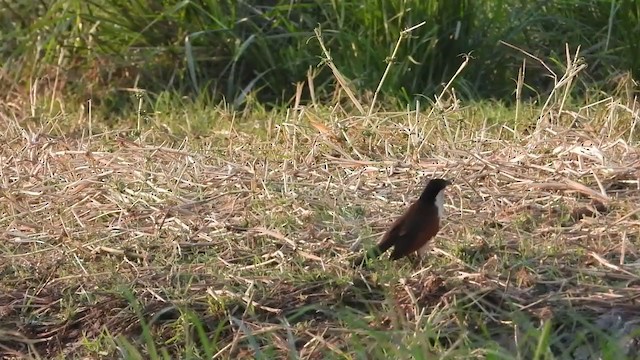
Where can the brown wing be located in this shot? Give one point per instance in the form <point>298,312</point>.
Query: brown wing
<point>398,230</point>
<point>419,228</point>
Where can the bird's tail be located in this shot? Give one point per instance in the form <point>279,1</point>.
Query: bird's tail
<point>372,253</point>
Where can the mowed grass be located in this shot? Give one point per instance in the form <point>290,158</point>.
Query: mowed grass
<point>238,244</point>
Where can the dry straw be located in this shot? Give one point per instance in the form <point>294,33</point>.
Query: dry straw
<point>243,217</point>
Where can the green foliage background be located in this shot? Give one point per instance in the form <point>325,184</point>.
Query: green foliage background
<point>216,49</point>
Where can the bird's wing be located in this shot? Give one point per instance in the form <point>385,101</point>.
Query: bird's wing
<point>417,233</point>
<point>405,240</point>
<point>398,230</point>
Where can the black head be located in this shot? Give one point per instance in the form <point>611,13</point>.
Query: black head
<point>433,188</point>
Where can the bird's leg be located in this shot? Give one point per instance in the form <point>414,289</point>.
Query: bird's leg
<point>415,259</point>
<point>421,255</point>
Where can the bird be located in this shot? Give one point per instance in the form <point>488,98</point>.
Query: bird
<point>412,231</point>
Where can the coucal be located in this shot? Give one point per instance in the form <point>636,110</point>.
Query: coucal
<point>412,231</point>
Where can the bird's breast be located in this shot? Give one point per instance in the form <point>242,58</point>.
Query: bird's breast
<point>440,204</point>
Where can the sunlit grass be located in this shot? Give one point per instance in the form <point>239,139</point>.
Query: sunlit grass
<point>149,218</point>
<point>237,243</point>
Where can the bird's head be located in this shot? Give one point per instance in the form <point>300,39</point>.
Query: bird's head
<point>433,193</point>
<point>434,187</point>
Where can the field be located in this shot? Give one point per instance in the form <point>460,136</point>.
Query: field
<point>238,244</point>
<point>193,179</point>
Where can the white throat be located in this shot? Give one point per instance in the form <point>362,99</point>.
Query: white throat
<point>440,203</point>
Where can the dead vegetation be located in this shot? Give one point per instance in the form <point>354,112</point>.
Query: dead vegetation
<point>258,239</point>
<point>245,240</point>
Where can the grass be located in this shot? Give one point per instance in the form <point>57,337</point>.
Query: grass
<point>185,229</point>
<point>242,51</point>
<point>236,243</point>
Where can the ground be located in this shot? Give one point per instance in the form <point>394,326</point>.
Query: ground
<point>238,243</point>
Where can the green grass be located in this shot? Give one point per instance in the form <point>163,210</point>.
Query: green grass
<point>243,52</point>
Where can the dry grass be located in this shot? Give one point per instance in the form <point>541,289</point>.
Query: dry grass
<point>244,238</point>
<point>256,234</point>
